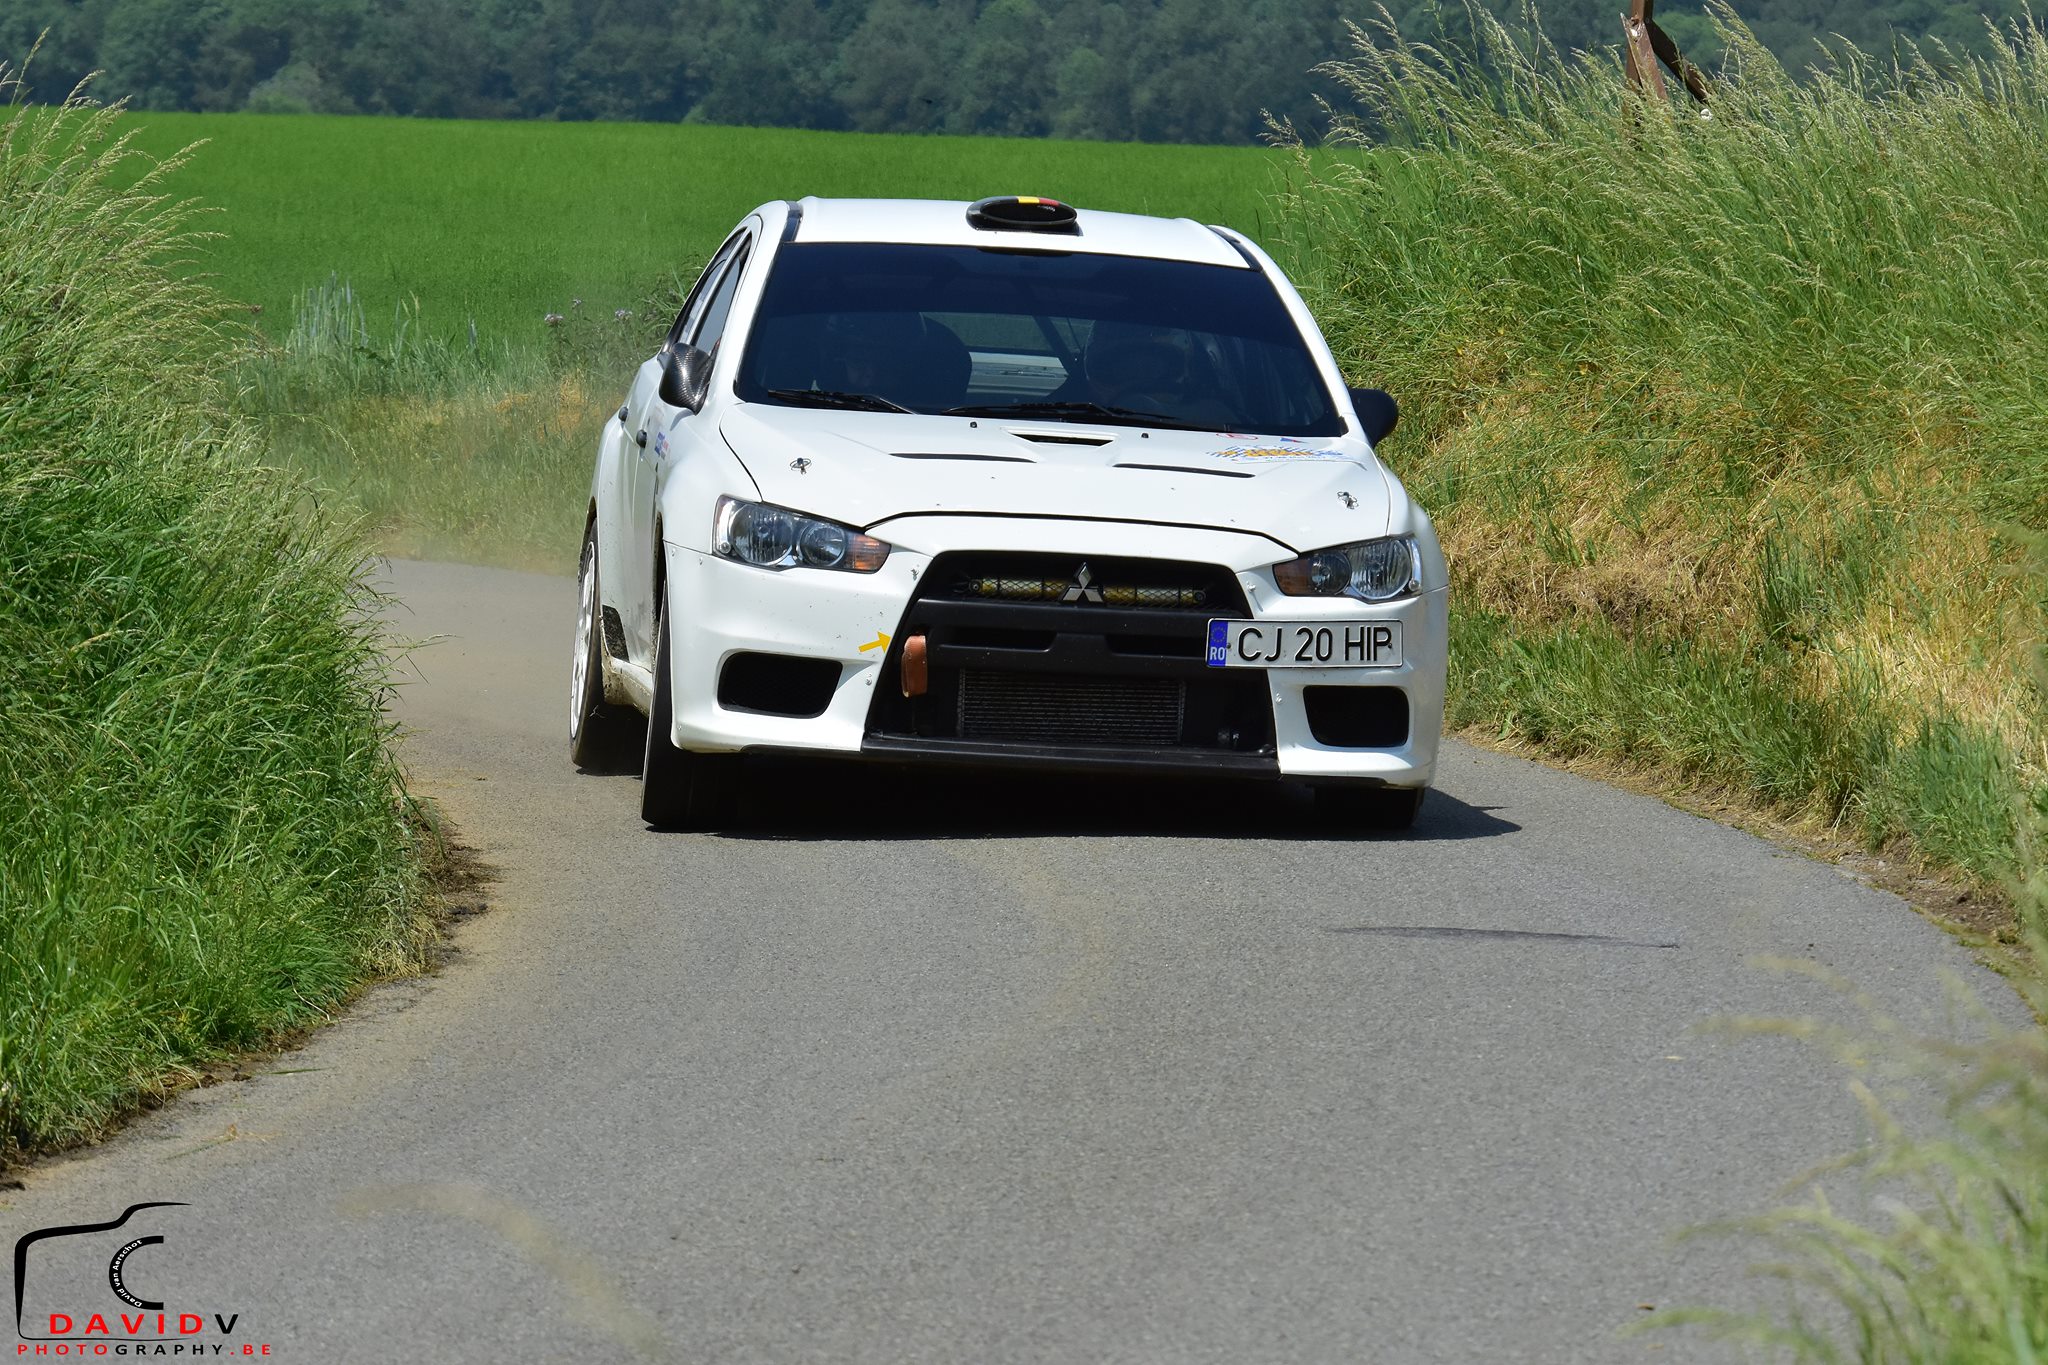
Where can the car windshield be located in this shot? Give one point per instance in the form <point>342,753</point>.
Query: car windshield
<point>1052,336</point>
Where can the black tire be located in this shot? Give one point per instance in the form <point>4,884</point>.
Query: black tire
<point>680,790</point>
<point>602,737</point>
<point>1386,810</point>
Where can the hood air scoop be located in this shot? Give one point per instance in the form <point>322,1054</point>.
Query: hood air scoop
<point>962,455</point>
<point>1188,469</point>
<point>1062,438</point>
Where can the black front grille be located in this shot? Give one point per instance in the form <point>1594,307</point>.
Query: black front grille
<point>1061,708</point>
<point>1067,651</point>
<point>1085,581</point>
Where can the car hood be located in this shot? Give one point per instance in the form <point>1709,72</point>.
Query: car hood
<point>865,468</point>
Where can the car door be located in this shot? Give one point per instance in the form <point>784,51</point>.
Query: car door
<point>646,437</point>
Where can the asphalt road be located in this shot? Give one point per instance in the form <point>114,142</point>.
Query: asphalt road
<point>956,1070</point>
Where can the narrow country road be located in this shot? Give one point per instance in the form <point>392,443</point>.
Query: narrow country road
<point>937,1069</point>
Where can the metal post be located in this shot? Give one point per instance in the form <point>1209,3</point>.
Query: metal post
<point>1648,46</point>
<point>1640,52</point>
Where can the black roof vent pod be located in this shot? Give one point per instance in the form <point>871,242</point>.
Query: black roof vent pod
<point>1023,213</point>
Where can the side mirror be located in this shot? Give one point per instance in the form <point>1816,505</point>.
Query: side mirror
<point>1377,413</point>
<point>685,378</point>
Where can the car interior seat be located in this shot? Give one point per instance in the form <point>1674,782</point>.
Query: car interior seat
<point>938,370</point>
<point>786,355</point>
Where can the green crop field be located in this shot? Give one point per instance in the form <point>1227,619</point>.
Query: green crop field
<point>503,223</point>
<point>404,269</point>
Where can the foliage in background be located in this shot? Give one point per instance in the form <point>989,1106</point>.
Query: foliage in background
<point>1728,423</point>
<point>1153,70</point>
<point>205,837</point>
<point>1145,70</point>
<point>468,450</point>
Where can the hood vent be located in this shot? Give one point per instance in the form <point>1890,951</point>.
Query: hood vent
<point>1062,438</point>
<point>962,455</point>
<point>1190,469</point>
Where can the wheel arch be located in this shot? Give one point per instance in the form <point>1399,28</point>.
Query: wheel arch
<point>660,583</point>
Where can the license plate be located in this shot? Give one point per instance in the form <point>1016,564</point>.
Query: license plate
<point>1304,644</point>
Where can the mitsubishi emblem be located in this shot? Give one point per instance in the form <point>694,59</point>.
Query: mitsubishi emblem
<point>1083,589</point>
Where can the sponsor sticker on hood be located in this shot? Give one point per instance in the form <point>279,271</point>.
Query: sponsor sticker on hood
<point>1273,448</point>
<point>1277,453</point>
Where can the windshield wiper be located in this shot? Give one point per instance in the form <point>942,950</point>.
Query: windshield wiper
<point>836,398</point>
<point>1099,411</point>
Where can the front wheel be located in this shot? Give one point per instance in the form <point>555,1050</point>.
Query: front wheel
<point>600,734</point>
<point>1383,809</point>
<point>680,790</point>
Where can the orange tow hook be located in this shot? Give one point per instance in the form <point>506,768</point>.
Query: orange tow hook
<point>915,677</point>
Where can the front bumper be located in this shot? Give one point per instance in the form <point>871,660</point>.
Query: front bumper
<point>720,609</point>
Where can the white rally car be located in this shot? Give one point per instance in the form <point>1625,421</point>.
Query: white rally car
<point>1007,484</point>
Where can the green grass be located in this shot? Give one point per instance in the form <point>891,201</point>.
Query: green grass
<point>503,223</point>
<point>206,839</point>
<point>1733,428</point>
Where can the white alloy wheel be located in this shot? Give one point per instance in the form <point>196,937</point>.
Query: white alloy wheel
<point>600,734</point>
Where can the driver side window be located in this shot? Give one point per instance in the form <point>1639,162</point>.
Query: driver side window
<point>700,294</point>
<point>712,325</point>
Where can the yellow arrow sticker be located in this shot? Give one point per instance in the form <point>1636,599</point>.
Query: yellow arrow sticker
<point>880,641</point>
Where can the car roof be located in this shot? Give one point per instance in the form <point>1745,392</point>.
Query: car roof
<point>943,222</point>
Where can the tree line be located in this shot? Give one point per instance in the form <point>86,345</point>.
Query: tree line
<point>1147,70</point>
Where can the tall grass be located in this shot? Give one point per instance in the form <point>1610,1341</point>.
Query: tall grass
<point>206,841</point>
<point>1729,422</point>
<point>474,449</point>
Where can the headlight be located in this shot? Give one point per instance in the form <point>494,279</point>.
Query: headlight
<point>776,538</point>
<point>1372,570</point>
